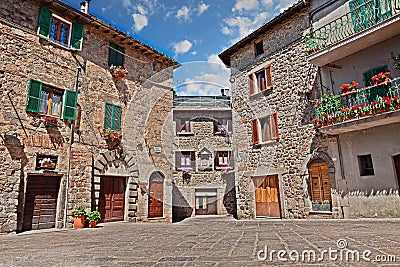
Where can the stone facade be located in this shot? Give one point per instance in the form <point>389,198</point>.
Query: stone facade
<point>287,155</point>
<point>25,55</point>
<point>204,180</point>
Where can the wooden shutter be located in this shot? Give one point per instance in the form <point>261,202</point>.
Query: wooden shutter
<point>192,160</point>
<point>120,58</point>
<point>229,122</point>
<point>274,126</point>
<point>112,54</point>
<point>368,74</point>
<point>77,36</point>
<point>33,97</point>
<point>178,157</point>
<point>70,103</point>
<point>44,22</point>
<point>108,115</point>
<point>268,73</point>
<point>178,125</point>
<point>117,114</point>
<point>254,131</point>
<point>251,84</point>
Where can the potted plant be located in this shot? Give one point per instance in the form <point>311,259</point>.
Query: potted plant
<point>79,214</point>
<point>93,217</point>
<point>112,135</point>
<point>349,88</point>
<point>50,121</point>
<point>381,78</point>
<point>47,163</point>
<point>118,71</point>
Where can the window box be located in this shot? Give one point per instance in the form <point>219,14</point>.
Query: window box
<point>46,162</point>
<point>118,71</point>
<point>59,30</point>
<point>52,102</point>
<point>50,121</point>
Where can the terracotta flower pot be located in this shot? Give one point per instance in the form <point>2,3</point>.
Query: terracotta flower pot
<point>92,224</point>
<point>79,221</point>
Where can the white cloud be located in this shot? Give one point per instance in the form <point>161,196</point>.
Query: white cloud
<point>193,53</point>
<point>182,47</point>
<point>140,19</point>
<point>244,25</point>
<point>245,5</point>
<point>127,4</point>
<point>284,4</point>
<point>202,7</point>
<point>267,2</point>
<point>106,8</point>
<point>183,13</point>
<point>206,84</point>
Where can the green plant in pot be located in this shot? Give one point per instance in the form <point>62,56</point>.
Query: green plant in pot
<point>93,217</point>
<point>79,214</point>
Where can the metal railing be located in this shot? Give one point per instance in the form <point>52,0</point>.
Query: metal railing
<point>362,16</point>
<point>202,101</point>
<point>369,101</point>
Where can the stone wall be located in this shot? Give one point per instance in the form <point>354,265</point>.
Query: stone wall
<point>23,56</point>
<point>291,75</point>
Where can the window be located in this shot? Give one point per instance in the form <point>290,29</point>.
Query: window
<point>112,117</point>
<point>183,125</point>
<point>368,74</point>
<point>185,160</point>
<point>116,55</point>
<point>259,48</point>
<point>51,101</point>
<point>222,159</point>
<point>365,164</point>
<point>265,129</point>
<point>260,80</point>
<point>222,125</point>
<point>60,30</point>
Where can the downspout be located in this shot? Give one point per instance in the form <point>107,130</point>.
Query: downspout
<point>339,147</point>
<point>71,141</point>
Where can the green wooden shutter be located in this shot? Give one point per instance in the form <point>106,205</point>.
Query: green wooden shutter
<point>44,22</point>
<point>108,116</point>
<point>117,118</point>
<point>33,97</point>
<point>70,103</point>
<point>112,55</point>
<point>120,56</point>
<point>77,36</point>
<point>368,74</point>
<point>384,9</point>
<point>375,92</point>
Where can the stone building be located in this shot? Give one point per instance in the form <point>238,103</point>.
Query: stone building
<point>203,168</point>
<point>355,44</point>
<point>272,84</point>
<point>62,112</point>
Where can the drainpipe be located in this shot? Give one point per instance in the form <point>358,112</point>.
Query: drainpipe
<point>339,147</point>
<point>71,140</point>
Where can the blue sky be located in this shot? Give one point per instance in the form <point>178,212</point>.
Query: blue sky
<point>191,32</point>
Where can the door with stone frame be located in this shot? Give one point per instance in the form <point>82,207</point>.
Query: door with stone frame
<point>396,160</point>
<point>40,202</point>
<point>320,186</point>
<point>156,195</point>
<point>112,198</point>
<point>267,196</point>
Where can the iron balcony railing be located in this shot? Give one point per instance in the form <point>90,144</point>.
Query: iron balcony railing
<point>359,103</point>
<point>362,15</point>
<point>202,101</point>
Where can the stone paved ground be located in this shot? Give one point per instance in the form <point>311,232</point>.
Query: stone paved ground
<point>201,241</point>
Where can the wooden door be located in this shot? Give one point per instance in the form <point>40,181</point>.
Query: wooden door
<point>156,197</point>
<point>320,183</point>
<point>41,202</point>
<point>397,167</point>
<point>267,197</point>
<point>112,198</point>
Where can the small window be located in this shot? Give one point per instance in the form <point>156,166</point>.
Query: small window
<point>47,100</point>
<point>222,159</point>
<point>183,125</point>
<point>260,80</point>
<point>259,48</point>
<point>60,30</point>
<point>366,166</point>
<point>265,129</point>
<point>222,125</point>
<point>112,117</point>
<point>116,55</point>
<point>185,160</point>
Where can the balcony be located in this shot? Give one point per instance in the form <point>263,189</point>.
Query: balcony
<point>359,109</point>
<point>365,25</point>
<point>202,101</point>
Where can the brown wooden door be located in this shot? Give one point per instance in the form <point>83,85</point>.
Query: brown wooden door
<point>267,197</point>
<point>320,183</point>
<point>156,197</point>
<point>41,202</point>
<point>112,198</point>
<point>397,167</point>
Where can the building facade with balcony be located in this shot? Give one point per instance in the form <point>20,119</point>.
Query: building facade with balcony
<point>277,163</point>
<point>203,179</point>
<point>355,45</point>
<point>69,124</point>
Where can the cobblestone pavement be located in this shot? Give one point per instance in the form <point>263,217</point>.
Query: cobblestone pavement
<point>205,241</point>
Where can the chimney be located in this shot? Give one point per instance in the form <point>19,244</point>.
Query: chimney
<point>85,7</point>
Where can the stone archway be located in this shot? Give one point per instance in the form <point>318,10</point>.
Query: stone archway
<point>117,163</point>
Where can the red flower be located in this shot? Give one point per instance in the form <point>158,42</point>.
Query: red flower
<point>344,86</point>
<point>354,84</point>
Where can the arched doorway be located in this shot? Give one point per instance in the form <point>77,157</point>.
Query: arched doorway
<point>319,185</point>
<point>156,195</point>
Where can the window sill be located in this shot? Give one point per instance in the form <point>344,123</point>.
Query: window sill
<point>185,133</point>
<point>219,133</point>
<point>265,143</point>
<point>265,92</point>
<point>68,48</point>
<point>223,168</point>
<point>184,169</point>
